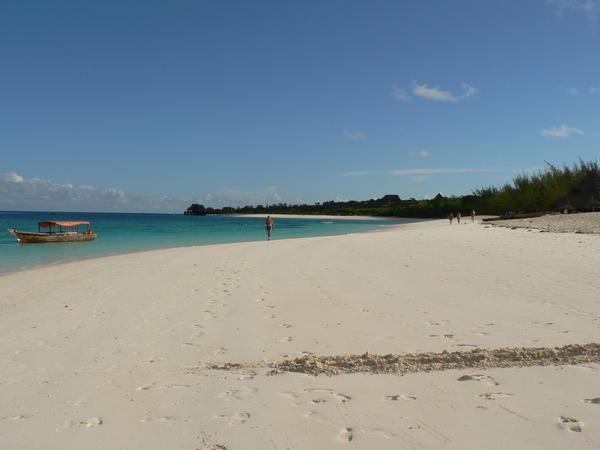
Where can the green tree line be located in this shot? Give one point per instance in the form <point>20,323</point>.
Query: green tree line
<point>528,192</point>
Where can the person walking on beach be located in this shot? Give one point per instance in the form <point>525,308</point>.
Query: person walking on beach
<point>450,217</point>
<point>269,227</point>
<point>472,216</point>
<point>458,217</point>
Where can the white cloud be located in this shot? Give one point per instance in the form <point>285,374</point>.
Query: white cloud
<point>434,171</point>
<point>439,95</point>
<point>574,91</point>
<point>17,192</point>
<point>470,91</point>
<point>358,173</point>
<point>354,135</point>
<point>418,178</point>
<point>10,177</point>
<point>420,154</point>
<point>562,131</point>
<point>400,94</point>
<point>34,194</point>
<point>594,90</point>
<point>239,197</point>
<point>590,8</point>
<point>415,172</point>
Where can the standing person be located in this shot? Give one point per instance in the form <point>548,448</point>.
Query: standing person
<point>450,217</point>
<point>458,217</point>
<point>472,216</point>
<point>269,227</point>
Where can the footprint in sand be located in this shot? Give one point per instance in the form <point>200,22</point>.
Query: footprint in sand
<point>246,375</point>
<point>236,419</point>
<point>286,325</point>
<point>89,423</point>
<point>286,339</point>
<point>495,395</point>
<point>346,435</point>
<point>478,377</point>
<point>438,323</point>
<point>292,396</point>
<point>220,351</point>
<point>396,397</point>
<point>570,424</point>
<point>342,398</point>
<point>208,315</point>
<point>18,417</point>
<point>237,394</point>
<point>593,401</point>
<point>164,419</point>
<point>313,415</point>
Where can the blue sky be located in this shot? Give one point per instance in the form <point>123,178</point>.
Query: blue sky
<point>122,105</point>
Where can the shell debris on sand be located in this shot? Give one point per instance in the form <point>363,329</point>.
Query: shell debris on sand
<point>401,364</point>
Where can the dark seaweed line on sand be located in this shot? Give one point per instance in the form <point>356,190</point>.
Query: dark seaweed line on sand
<point>400,364</point>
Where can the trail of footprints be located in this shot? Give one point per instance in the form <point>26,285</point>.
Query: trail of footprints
<point>316,396</point>
<point>565,423</point>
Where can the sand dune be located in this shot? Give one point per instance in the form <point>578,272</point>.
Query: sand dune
<point>116,352</point>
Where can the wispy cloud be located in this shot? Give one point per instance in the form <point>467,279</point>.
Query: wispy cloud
<point>434,171</point>
<point>20,193</point>
<point>414,172</point>
<point>10,177</point>
<point>420,153</point>
<point>439,95</point>
<point>591,90</point>
<point>241,197</point>
<point>354,135</point>
<point>17,192</point>
<point>359,173</point>
<point>400,94</point>
<point>590,8</point>
<point>561,131</point>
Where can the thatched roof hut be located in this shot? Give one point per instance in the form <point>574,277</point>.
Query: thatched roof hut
<point>583,197</point>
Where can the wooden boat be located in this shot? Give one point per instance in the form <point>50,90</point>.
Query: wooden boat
<point>61,231</point>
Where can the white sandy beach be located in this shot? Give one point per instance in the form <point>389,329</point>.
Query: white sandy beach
<point>111,353</point>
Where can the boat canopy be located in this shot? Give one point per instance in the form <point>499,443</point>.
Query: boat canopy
<point>63,223</point>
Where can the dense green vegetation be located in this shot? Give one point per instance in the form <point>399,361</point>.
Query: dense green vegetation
<point>539,191</point>
<point>527,193</point>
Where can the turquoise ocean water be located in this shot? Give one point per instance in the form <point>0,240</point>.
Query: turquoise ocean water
<point>124,233</point>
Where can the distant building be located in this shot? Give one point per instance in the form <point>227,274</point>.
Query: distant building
<point>390,198</point>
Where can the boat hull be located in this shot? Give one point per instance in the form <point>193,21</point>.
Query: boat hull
<point>26,237</point>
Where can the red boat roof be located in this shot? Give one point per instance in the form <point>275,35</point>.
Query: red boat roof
<point>62,223</point>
